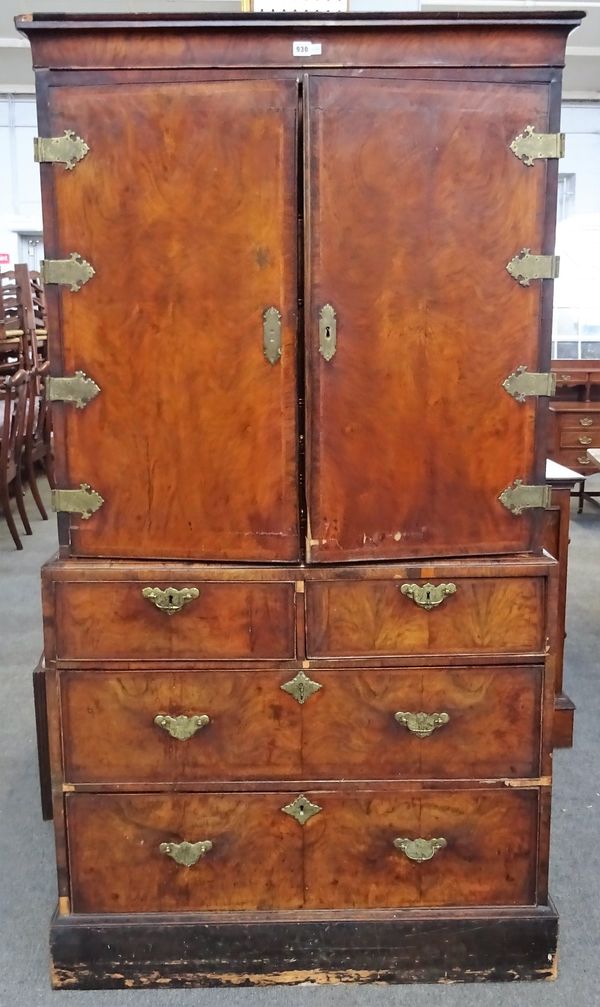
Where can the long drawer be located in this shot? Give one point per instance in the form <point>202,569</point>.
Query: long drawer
<point>186,852</point>
<point>159,727</point>
<point>181,619</point>
<point>484,615</point>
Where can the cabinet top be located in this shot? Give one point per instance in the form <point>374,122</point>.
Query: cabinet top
<point>436,19</point>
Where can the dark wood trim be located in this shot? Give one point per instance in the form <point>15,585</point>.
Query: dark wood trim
<point>43,751</point>
<point>261,949</point>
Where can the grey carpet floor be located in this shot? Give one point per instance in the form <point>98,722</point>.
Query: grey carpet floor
<point>27,888</point>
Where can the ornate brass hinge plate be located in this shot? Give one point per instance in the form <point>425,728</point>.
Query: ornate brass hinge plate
<point>301,687</point>
<point>170,599</point>
<point>422,724</point>
<point>420,849</point>
<point>182,727</point>
<point>84,501</point>
<point>186,854</point>
<point>272,334</point>
<point>530,146</point>
<point>302,809</point>
<point>327,332</point>
<point>78,389</point>
<point>525,267</point>
<point>73,272</point>
<point>67,149</point>
<point>523,383</point>
<point>520,497</point>
<point>428,596</point>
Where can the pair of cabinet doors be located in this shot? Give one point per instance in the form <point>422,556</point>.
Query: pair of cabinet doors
<point>203,203</point>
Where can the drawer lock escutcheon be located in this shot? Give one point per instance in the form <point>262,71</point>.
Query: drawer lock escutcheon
<point>272,334</point>
<point>428,596</point>
<point>186,854</point>
<point>301,809</point>
<point>327,332</point>
<point>301,687</point>
<point>530,146</point>
<point>67,149</point>
<point>181,727</point>
<point>420,849</point>
<point>422,724</point>
<point>170,599</point>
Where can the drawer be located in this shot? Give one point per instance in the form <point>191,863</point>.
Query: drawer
<point>584,420</point>
<point>576,458</point>
<point>480,723</point>
<point>119,857</point>
<point>104,620</point>
<point>580,438</point>
<point>353,857</point>
<point>110,733</point>
<point>483,615</point>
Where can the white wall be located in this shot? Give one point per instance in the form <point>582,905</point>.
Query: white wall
<point>20,204</point>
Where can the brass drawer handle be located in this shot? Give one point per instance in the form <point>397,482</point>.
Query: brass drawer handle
<point>565,377</point>
<point>422,724</point>
<point>585,421</point>
<point>186,854</point>
<point>428,596</point>
<point>171,599</point>
<point>584,439</point>
<point>420,849</point>
<point>182,727</point>
<point>584,460</point>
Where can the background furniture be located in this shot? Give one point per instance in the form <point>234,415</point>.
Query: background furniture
<point>575,418</point>
<point>302,637</point>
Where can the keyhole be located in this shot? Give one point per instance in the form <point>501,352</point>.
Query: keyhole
<point>327,332</point>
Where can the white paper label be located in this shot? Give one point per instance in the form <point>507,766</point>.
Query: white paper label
<point>306,48</point>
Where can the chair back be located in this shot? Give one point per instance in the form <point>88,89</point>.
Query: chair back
<point>13,392</point>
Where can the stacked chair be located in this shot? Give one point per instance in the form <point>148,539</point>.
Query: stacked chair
<point>25,428</point>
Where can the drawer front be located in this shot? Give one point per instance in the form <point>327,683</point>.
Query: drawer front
<point>584,420</point>
<point>577,459</point>
<point>482,616</point>
<point>140,727</point>
<point>113,620</point>
<point>489,856</point>
<point>117,865</point>
<point>479,723</point>
<point>152,727</point>
<point>580,438</point>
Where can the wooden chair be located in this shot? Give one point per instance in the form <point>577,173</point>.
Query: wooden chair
<point>38,434</point>
<point>13,395</point>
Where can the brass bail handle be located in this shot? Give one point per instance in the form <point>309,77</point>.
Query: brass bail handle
<point>420,849</point>
<point>428,596</point>
<point>421,724</point>
<point>170,599</point>
<point>182,727</point>
<point>186,854</point>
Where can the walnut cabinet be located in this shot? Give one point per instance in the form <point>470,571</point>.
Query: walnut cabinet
<point>301,637</point>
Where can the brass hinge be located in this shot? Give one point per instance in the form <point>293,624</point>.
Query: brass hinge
<point>520,497</point>
<point>78,389</point>
<point>525,267</point>
<point>522,383</point>
<point>530,146</point>
<point>67,149</point>
<point>84,501</point>
<point>72,272</point>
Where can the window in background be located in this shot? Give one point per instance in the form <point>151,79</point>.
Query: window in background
<point>576,328</point>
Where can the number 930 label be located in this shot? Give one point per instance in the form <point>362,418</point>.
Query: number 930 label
<point>306,48</point>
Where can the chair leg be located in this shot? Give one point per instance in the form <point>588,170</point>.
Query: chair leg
<point>21,503</point>
<point>35,492</point>
<point>5,504</point>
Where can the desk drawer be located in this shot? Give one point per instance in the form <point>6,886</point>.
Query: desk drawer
<point>577,459</point>
<point>585,420</point>
<point>104,620</point>
<point>580,438</point>
<point>482,615</point>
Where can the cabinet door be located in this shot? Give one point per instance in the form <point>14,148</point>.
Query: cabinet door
<point>186,208</point>
<point>415,205</point>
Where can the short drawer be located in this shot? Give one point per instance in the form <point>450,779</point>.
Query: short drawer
<point>163,727</point>
<point>396,617</point>
<point>580,438</point>
<point>479,849</point>
<point>577,459</point>
<point>149,727</point>
<point>584,420</point>
<point>183,852</point>
<point>217,620</point>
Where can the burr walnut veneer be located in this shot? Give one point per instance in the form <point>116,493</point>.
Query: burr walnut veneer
<point>302,637</point>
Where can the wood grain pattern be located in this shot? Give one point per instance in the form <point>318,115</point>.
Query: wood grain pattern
<point>489,860</point>
<point>484,616</point>
<point>116,864</point>
<point>109,732</point>
<point>112,620</point>
<point>173,447</point>
<point>258,732</point>
<point>418,285</point>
